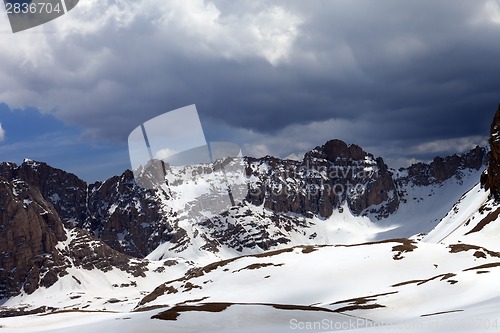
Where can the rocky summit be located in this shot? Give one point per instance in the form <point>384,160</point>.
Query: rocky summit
<point>328,176</point>
<point>36,248</point>
<point>51,221</point>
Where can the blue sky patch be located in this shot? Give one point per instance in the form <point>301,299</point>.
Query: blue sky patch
<point>42,137</point>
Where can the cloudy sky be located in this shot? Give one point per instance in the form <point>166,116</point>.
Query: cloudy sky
<point>405,79</point>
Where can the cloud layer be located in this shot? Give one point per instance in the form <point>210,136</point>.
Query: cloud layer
<point>402,78</point>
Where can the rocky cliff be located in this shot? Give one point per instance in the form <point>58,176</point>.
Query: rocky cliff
<point>42,207</point>
<point>123,215</point>
<point>29,232</point>
<point>441,169</point>
<point>492,179</point>
<point>328,176</point>
<point>35,247</point>
<point>135,221</point>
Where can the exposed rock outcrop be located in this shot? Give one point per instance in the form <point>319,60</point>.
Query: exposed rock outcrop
<point>35,248</point>
<point>51,220</point>
<point>329,176</point>
<point>66,192</point>
<point>492,180</point>
<point>126,216</point>
<point>441,169</point>
<point>29,232</point>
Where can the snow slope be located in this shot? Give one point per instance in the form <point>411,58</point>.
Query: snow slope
<point>95,289</point>
<point>398,283</point>
<point>472,221</point>
<point>423,207</point>
<point>339,273</point>
<point>246,228</point>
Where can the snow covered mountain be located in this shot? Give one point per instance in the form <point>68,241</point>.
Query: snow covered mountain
<point>336,241</point>
<point>288,203</point>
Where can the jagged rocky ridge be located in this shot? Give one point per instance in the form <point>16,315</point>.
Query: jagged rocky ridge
<point>491,179</point>
<point>35,247</point>
<point>135,221</point>
<point>41,205</point>
<point>90,206</point>
<point>328,176</point>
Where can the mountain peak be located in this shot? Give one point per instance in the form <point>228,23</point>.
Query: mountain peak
<point>336,148</point>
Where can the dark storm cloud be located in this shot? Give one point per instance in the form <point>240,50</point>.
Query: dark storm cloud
<point>418,70</point>
<point>396,74</point>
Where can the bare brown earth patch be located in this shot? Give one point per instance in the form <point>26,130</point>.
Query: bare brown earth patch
<point>190,286</point>
<point>171,290</point>
<point>406,282</point>
<point>149,308</point>
<point>361,303</point>
<point>406,245</point>
<point>394,240</point>
<point>273,253</point>
<point>440,313</point>
<point>483,208</point>
<point>490,265</point>
<point>257,266</point>
<point>208,268</point>
<point>193,273</point>
<point>479,251</point>
<point>420,282</point>
<point>308,249</point>
<point>197,272</point>
<point>174,312</point>
<point>479,254</point>
<point>363,300</point>
<point>157,292</point>
<point>299,307</point>
<point>485,221</point>
<point>360,307</point>
<point>169,263</point>
<point>198,300</point>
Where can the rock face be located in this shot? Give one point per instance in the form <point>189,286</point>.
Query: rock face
<point>126,217</point>
<point>29,232</point>
<point>441,169</point>
<point>64,190</point>
<point>135,221</point>
<point>123,215</point>
<point>492,180</point>
<point>35,248</point>
<point>327,177</point>
<point>51,220</point>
